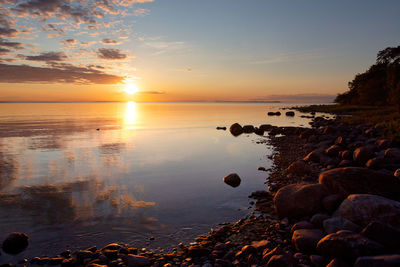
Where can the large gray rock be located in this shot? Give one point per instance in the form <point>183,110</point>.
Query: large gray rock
<point>349,245</point>
<point>378,261</point>
<point>362,209</point>
<point>232,179</point>
<point>356,180</point>
<point>15,243</point>
<point>332,225</point>
<point>297,200</point>
<point>306,240</point>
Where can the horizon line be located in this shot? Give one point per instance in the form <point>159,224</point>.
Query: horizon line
<point>198,101</point>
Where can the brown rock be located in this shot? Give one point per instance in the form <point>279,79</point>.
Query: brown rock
<point>362,154</point>
<point>299,167</point>
<point>348,244</point>
<point>378,261</point>
<point>297,200</point>
<point>236,129</point>
<point>232,179</point>
<point>15,243</point>
<point>305,240</point>
<point>362,209</point>
<point>356,180</point>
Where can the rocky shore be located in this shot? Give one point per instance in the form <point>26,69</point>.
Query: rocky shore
<point>332,200</point>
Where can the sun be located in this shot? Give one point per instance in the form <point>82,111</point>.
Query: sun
<point>131,89</point>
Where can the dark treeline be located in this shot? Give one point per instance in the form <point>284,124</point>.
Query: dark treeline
<point>379,85</point>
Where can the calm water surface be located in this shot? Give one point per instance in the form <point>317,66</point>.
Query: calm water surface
<point>73,175</point>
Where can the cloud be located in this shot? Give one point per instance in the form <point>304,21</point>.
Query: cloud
<point>141,12</point>
<point>152,92</point>
<point>61,8</point>
<point>4,51</point>
<point>131,2</point>
<point>58,73</point>
<point>9,32</point>
<point>6,43</point>
<point>324,98</point>
<point>111,54</point>
<point>108,41</point>
<point>48,57</point>
<point>69,42</point>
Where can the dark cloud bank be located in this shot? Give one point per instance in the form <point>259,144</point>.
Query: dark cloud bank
<point>58,73</point>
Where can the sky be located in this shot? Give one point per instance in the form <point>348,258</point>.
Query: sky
<point>189,50</point>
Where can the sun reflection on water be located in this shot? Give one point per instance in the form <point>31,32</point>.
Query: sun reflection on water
<point>130,114</point>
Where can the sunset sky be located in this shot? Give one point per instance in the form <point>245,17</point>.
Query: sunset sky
<point>189,50</point>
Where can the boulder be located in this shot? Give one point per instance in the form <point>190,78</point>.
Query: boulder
<point>331,202</point>
<point>383,143</point>
<point>258,131</point>
<point>297,200</point>
<point>236,129</point>
<point>306,240</point>
<point>315,155</point>
<point>338,262</point>
<point>232,179</point>
<point>333,150</point>
<point>362,209</point>
<point>274,113</point>
<point>378,261</point>
<point>383,163</point>
<point>346,155</point>
<point>290,113</point>
<point>383,234</point>
<point>302,225</point>
<point>356,180</point>
<point>299,167</point>
<point>392,153</point>
<point>266,127</point>
<point>332,225</point>
<point>362,154</point>
<point>137,261</point>
<point>345,163</point>
<point>15,243</point>
<point>280,260</point>
<point>318,219</point>
<point>348,245</point>
<point>248,129</point>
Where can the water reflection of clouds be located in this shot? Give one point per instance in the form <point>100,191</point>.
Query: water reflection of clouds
<point>82,200</point>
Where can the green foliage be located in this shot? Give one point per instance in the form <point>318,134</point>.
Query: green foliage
<point>379,85</point>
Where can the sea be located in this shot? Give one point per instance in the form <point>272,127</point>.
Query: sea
<point>76,175</point>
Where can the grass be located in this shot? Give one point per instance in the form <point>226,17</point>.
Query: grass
<point>387,117</point>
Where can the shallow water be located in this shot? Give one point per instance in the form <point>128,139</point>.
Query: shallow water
<point>75,175</point>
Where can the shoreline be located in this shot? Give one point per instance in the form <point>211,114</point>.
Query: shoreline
<point>262,239</point>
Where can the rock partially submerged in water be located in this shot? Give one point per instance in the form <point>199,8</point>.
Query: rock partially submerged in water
<point>15,243</point>
<point>232,179</point>
<point>236,129</point>
<point>221,128</point>
<point>274,113</point>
